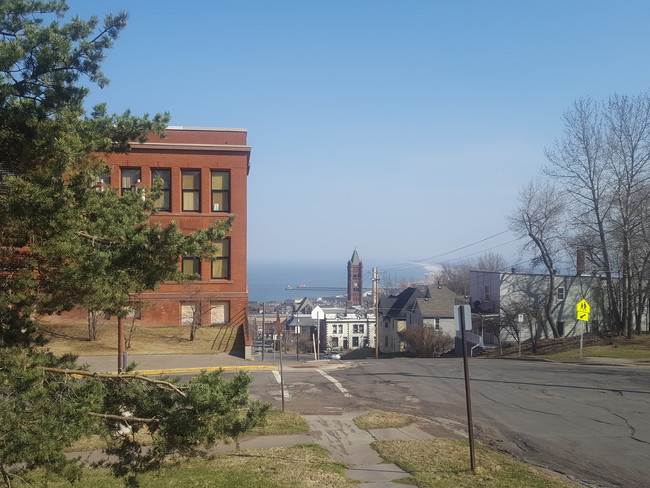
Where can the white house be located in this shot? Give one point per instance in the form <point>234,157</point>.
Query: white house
<point>347,329</point>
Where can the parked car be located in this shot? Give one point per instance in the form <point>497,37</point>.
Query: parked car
<point>335,355</point>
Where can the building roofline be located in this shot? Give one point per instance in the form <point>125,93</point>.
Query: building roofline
<point>212,129</point>
<point>161,145</point>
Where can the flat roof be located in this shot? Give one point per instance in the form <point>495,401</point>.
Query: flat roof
<point>215,129</point>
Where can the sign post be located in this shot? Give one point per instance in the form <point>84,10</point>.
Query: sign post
<point>463,316</point>
<point>318,315</point>
<point>582,313</point>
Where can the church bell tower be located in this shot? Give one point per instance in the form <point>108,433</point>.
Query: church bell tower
<point>355,280</point>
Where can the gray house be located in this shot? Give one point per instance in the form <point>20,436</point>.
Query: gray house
<point>517,300</point>
<point>427,306</point>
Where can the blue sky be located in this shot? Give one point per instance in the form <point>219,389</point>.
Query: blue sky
<point>404,129</point>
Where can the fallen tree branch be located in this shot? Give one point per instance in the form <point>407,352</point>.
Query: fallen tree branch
<point>121,418</point>
<point>122,377</point>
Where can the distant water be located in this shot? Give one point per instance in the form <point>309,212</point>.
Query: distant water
<point>268,281</point>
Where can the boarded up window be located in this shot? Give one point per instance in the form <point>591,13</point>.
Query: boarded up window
<point>190,313</point>
<point>219,313</point>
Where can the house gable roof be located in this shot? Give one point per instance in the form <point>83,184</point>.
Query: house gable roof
<point>395,306</point>
<point>437,303</point>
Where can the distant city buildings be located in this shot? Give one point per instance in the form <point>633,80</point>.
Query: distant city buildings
<point>346,324</point>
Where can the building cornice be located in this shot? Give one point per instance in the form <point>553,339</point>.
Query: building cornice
<point>193,147</point>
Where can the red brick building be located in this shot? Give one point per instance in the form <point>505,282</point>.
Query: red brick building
<point>204,173</point>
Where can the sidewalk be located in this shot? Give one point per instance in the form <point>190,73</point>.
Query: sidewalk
<point>346,444</point>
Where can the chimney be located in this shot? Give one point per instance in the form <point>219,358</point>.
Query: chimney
<point>580,262</point>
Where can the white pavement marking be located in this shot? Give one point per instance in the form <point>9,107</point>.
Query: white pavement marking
<point>336,383</point>
<point>277,376</point>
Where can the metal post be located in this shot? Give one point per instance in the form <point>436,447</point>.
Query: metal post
<point>120,345</point>
<point>281,373</point>
<point>375,288</point>
<point>468,399</point>
<point>263,329</point>
<point>582,331</point>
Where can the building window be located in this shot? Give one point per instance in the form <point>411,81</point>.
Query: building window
<point>335,342</point>
<point>357,329</point>
<point>221,262</point>
<point>220,191</point>
<point>165,177</point>
<point>560,293</point>
<point>219,313</point>
<point>486,292</point>
<point>190,314</point>
<point>355,341</point>
<point>130,176</point>
<point>191,187</point>
<point>191,266</point>
<point>436,323</point>
<point>386,341</point>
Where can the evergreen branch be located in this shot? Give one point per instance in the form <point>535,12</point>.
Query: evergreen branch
<point>101,240</point>
<point>123,377</point>
<point>120,418</point>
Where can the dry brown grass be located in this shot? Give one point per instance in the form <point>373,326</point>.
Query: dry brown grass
<point>383,420</point>
<point>595,345</point>
<point>444,463</point>
<point>73,338</point>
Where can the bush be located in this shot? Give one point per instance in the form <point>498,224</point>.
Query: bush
<point>427,342</point>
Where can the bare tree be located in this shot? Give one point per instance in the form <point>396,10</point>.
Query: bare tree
<point>627,123</point>
<point>494,325</point>
<point>576,163</point>
<point>540,218</point>
<point>523,314</point>
<point>455,275</point>
<point>490,261</point>
<point>603,162</point>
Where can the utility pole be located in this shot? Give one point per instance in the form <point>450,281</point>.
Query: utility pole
<point>263,329</point>
<point>375,295</point>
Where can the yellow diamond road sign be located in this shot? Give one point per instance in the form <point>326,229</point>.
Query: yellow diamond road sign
<point>582,316</point>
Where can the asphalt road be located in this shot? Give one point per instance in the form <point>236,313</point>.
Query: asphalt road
<point>588,421</point>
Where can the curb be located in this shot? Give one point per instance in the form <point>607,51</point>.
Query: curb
<point>172,371</point>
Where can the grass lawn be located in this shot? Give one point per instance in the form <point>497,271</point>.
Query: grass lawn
<point>304,466</point>
<point>73,339</point>
<point>637,348</point>
<point>444,463</point>
<point>595,345</point>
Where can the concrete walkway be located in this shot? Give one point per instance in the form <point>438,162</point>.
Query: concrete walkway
<point>350,445</point>
<point>346,444</point>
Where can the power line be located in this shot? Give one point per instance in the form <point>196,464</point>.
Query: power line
<point>410,264</point>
